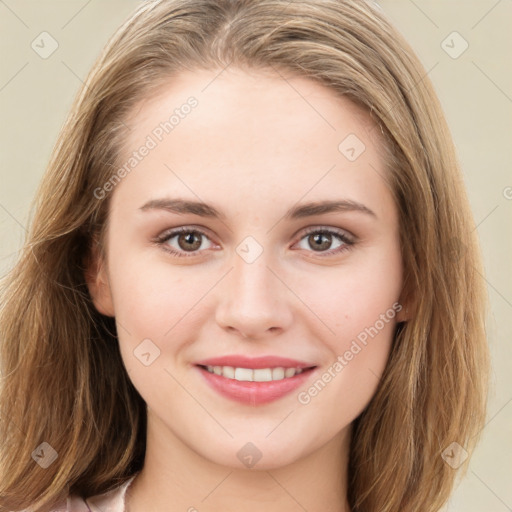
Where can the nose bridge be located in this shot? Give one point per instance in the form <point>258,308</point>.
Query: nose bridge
<point>253,300</point>
<point>253,281</point>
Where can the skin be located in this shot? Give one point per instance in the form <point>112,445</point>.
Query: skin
<point>255,145</point>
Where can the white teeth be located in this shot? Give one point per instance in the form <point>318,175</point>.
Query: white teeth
<point>243,374</point>
<point>278,374</point>
<point>228,371</point>
<point>254,375</point>
<point>262,375</point>
<point>289,372</point>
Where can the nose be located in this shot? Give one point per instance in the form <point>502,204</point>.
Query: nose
<point>253,300</point>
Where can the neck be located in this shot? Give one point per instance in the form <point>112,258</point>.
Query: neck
<point>176,478</point>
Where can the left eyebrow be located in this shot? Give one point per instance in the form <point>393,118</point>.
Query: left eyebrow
<point>296,212</point>
<point>321,207</point>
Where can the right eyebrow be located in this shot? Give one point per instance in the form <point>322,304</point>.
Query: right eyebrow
<point>183,206</point>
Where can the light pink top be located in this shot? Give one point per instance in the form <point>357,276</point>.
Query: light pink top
<point>111,501</point>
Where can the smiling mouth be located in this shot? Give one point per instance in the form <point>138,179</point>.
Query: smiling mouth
<point>255,374</point>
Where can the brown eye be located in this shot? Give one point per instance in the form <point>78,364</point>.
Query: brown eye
<point>322,240</point>
<point>190,241</point>
<point>183,240</point>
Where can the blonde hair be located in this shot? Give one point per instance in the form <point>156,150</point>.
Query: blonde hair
<point>63,380</point>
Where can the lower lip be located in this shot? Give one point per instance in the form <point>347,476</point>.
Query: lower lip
<point>254,393</point>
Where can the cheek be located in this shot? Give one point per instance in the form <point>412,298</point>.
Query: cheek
<point>364,322</point>
<point>353,297</point>
<point>158,312</point>
<point>358,307</point>
<point>153,308</point>
<point>150,297</point>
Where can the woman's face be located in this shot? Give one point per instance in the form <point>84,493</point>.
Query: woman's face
<point>265,277</point>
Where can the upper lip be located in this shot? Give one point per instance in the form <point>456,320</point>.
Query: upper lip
<point>239,361</point>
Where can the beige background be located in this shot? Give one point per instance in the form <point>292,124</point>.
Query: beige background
<point>476,92</point>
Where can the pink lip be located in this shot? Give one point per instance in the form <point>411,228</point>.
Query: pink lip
<point>254,393</point>
<point>238,361</point>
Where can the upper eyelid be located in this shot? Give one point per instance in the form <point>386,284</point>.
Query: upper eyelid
<point>172,232</point>
<point>336,231</point>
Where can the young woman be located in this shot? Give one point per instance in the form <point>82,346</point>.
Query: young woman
<point>252,278</point>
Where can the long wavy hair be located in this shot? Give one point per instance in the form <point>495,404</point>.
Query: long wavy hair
<point>63,379</point>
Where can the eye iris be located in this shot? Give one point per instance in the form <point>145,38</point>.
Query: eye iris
<point>189,239</point>
<point>317,244</point>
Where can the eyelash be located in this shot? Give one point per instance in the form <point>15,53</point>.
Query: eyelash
<point>348,242</point>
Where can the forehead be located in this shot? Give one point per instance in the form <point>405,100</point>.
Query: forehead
<point>233,97</point>
<point>257,133</point>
